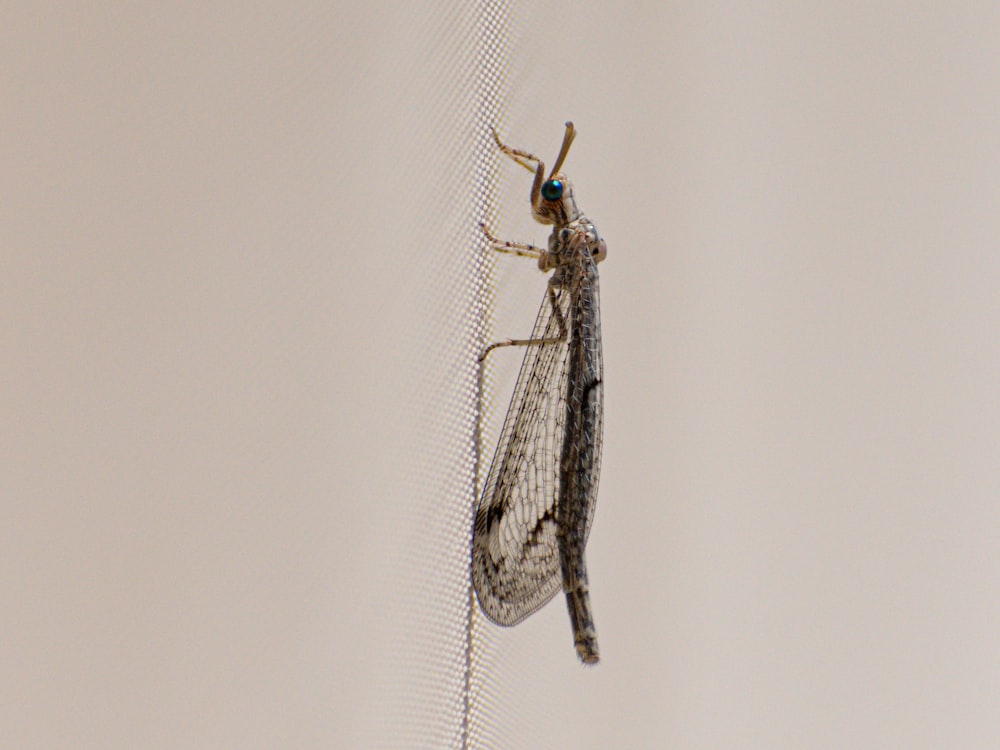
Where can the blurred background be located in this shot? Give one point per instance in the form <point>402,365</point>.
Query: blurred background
<point>242,294</point>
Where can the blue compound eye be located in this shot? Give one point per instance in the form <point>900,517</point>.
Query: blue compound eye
<point>552,190</point>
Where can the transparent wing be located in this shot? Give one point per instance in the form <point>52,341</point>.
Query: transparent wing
<point>516,565</point>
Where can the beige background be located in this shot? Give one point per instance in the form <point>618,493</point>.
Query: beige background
<point>238,284</point>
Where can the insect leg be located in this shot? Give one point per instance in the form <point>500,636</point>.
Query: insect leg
<point>521,249</point>
<point>560,322</point>
<point>521,157</point>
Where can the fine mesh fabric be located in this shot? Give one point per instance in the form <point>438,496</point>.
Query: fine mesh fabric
<point>242,423</point>
<point>250,295</point>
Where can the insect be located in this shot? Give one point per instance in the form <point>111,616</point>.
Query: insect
<point>537,507</point>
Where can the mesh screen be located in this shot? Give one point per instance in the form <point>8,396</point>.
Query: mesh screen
<point>242,425</point>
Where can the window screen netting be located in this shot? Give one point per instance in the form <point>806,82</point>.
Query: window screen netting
<point>242,423</point>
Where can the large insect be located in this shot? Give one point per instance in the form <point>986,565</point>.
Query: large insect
<point>537,507</point>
